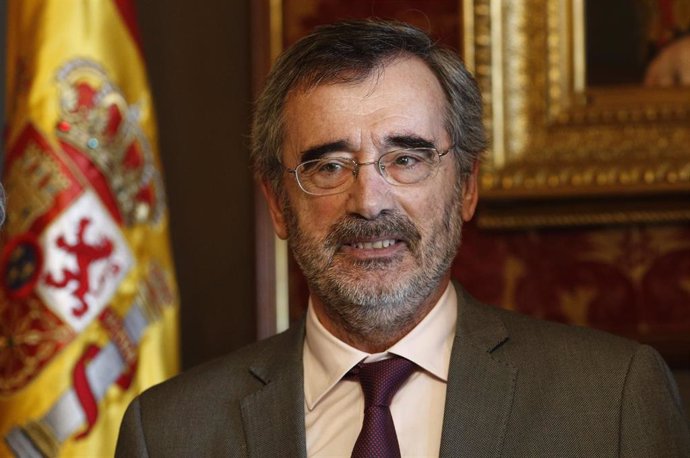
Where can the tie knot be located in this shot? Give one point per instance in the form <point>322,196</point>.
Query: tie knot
<point>382,379</point>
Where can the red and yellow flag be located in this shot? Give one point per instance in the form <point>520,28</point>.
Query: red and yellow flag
<point>88,302</point>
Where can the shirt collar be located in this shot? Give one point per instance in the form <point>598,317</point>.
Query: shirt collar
<point>327,359</point>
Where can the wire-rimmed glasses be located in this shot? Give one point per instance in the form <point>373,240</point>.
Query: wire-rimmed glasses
<point>333,175</point>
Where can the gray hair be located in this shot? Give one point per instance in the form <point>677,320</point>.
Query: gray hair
<point>349,52</point>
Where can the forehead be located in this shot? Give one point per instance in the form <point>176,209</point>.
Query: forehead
<point>404,98</point>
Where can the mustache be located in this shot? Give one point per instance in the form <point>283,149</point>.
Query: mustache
<point>391,225</point>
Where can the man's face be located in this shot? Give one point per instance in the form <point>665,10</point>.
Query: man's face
<point>375,255</point>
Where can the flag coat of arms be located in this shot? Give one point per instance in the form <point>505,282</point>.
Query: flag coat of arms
<point>88,302</point>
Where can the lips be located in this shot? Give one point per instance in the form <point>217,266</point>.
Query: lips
<point>374,245</point>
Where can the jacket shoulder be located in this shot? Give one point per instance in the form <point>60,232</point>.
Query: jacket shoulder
<point>200,410</point>
<point>532,338</point>
<point>233,375</point>
<point>597,393</point>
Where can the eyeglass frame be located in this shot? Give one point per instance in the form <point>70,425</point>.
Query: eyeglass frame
<point>377,162</point>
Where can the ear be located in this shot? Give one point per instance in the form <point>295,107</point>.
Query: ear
<point>470,193</point>
<point>275,209</point>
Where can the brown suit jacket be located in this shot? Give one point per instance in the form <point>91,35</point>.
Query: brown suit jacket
<point>517,387</point>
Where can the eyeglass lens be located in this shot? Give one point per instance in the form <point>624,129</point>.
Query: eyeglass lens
<point>335,174</point>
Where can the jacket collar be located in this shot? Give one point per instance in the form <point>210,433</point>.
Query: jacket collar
<point>480,385</point>
<point>273,416</point>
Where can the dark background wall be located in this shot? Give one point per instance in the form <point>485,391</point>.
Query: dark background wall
<point>198,58</point>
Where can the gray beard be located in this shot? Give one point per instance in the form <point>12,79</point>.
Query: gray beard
<point>373,299</point>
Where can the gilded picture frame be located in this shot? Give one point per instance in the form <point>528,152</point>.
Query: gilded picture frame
<point>563,153</point>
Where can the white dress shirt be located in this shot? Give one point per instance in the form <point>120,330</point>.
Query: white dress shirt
<point>334,408</point>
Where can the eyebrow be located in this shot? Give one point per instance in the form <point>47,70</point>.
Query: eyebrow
<point>317,151</point>
<point>409,141</point>
<point>393,141</point>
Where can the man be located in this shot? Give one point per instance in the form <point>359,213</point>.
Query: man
<point>366,141</point>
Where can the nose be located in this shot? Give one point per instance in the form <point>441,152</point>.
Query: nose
<point>370,194</point>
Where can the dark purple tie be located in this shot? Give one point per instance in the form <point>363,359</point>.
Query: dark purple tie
<point>380,381</point>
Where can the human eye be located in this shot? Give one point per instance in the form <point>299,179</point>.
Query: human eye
<point>323,167</point>
<point>330,167</point>
<point>405,159</point>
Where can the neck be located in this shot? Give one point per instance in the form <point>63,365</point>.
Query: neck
<point>380,340</point>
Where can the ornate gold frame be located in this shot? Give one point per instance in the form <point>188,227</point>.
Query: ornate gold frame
<point>563,153</point>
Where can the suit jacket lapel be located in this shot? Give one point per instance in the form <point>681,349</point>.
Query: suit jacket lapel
<point>273,416</point>
<point>480,386</point>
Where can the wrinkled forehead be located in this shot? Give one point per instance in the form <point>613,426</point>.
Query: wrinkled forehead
<point>403,99</point>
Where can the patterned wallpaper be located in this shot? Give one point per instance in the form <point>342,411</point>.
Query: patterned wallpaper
<point>630,280</point>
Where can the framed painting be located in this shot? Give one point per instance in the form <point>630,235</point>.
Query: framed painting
<point>579,134</point>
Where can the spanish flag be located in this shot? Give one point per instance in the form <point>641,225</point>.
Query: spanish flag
<point>88,301</point>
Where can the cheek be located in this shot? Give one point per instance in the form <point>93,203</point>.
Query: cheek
<point>316,216</point>
<point>422,203</point>
<point>427,208</point>
<point>426,216</point>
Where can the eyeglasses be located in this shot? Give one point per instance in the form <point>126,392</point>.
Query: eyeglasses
<point>333,175</point>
